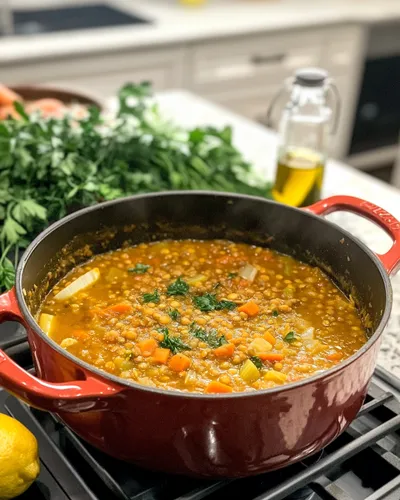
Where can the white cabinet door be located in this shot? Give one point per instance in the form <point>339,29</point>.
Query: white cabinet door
<point>103,75</point>
<point>249,61</point>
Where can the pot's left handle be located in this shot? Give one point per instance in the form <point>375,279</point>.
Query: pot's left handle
<point>76,396</point>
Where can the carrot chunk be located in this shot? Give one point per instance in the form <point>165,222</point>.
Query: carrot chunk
<point>148,346</point>
<point>335,356</point>
<point>269,338</point>
<point>215,387</point>
<point>122,308</point>
<point>270,356</point>
<point>250,308</point>
<point>80,334</point>
<point>161,355</point>
<point>224,351</point>
<point>179,362</point>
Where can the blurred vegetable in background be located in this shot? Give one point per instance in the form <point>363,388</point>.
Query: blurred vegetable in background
<point>49,167</point>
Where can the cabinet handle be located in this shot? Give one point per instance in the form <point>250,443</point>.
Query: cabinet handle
<point>259,59</point>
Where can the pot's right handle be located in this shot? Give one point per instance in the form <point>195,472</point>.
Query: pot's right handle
<point>79,395</point>
<point>391,259</point>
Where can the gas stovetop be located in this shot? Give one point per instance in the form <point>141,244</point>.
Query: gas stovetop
<point>362,464</point>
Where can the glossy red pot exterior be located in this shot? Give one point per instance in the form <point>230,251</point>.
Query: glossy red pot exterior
<point>203,435</point>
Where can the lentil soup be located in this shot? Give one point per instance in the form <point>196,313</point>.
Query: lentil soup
<point>202,316</point>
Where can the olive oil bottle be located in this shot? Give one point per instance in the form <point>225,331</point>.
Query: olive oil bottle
<point>305,132</point>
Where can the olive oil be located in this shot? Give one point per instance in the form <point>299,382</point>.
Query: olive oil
<point>299,177</point>
<point>306,126</point>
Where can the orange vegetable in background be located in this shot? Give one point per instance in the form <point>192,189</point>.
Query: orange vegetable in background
<point>270,356</point>
<point>8,96</point>
<point>120,309</point>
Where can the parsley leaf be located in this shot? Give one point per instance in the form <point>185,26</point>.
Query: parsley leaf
<point>175,344</point>
<point>210,337</point>
<point>290,337</point>
<point>275,313</point>
<point>232,275</point>
<point>174,314</point>
<point>179,287</point>
<point>209,302</point>
<point>139,269</point>
<point>152,297</point>
<point>257,362</point>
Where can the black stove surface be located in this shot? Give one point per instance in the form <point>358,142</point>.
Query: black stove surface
<point>78,17</point>
<point>362,464</point>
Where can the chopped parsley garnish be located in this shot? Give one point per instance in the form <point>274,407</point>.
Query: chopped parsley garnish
<point>290,337</point>
<point>175,344</point>
<point>217,285</point>
<point>210,337</point>
<point>275,313</point>
<point>179,287</point>
<point>152,297</point>
<point>209,302</point>
<point>232,275</point>
<point>139,269</point>
<point>174,314</point>
<point>257,362</point>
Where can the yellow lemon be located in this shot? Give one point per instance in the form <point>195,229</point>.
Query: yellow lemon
<point>19,458</point>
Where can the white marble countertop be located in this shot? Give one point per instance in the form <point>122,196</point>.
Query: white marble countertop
<point>172,23</point>
<point>258,144</point>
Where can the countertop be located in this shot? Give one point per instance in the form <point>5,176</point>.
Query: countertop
<point>258,144</point>
<point>173,24</point>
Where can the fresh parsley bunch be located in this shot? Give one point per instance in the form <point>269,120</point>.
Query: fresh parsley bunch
<point>50,167</point>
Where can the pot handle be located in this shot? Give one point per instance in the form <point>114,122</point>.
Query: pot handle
<point>391,259</point>
<point>76,396</point>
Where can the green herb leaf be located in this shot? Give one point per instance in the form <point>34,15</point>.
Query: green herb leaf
<point>209,302</point>
<point>232,275</point>
<point>175,344</point>
<point>179,287</point>
<point>257,362</point>
<point>152,297</point>
<point>139,269</point>
<point>275,313</point>
<point>210,337</point>
<point>174,314</point>
<point>290,337</point>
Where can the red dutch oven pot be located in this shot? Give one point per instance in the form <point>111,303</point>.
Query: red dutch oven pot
<point>235,434</point>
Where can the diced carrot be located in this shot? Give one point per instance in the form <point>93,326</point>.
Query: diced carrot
<point>250,308</point>
<point>179,362</point>
<point>215,387</point>
<point>147,347</point>
<point>8,96</point>
<point>270,356</point>
<point>96,311</point>
<point>269,338</point>
<point>120,308</point>
<point>80,334</point>
<point>224,351</point>
<point>161,355</point>
<point>335,356</point>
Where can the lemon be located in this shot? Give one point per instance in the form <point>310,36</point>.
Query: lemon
<point>19,459</point>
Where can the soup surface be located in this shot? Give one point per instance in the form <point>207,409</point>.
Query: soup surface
<point>202,316</point>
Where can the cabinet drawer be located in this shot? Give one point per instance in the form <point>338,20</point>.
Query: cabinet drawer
<point>104,74</point>
<point>241,62</point>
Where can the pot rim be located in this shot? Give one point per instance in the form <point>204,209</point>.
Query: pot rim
<point>32,323</point>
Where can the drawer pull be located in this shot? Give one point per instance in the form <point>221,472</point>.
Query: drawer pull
<point>273,59</point>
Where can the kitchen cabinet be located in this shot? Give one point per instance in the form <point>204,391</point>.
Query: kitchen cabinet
<point>104,75</point>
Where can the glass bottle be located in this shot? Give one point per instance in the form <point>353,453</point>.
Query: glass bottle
<point>305,131</point>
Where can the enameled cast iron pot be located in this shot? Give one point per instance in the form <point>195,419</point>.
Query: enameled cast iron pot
<point>204,435</point>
